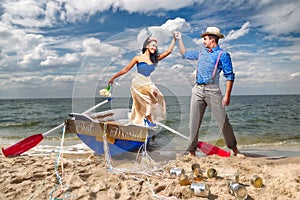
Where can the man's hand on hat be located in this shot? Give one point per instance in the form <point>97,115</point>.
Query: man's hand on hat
<point>177,35</point>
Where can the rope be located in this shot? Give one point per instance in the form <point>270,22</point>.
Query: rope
<point>146,167</point>
<point>59,157</point>
<point>59,177</point>
<point>143,148</point>
<point>106,153</point>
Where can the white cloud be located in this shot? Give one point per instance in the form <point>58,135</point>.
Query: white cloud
<point>38,53</point>
<point>164,32</point>
<point>178,24</point>
<point>234,34</point>
<point>295,75</point>
<point>280,18</point>
<point>75,10</point>
<point>47,13</point>
<point>80,10</point>
<point>37,81</point>
<point>94,47</point>
<point>30,13</point>
<point>17,40</point>
<point>147,6</point>
<point>21,49</point>
<point>67,59</point>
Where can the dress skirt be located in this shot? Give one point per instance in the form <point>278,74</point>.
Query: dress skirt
<point>147,100</point>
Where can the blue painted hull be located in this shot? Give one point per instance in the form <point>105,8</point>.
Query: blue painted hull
<point>119,147</point>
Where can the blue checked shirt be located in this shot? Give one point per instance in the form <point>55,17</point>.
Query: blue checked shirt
<point>206,65</point>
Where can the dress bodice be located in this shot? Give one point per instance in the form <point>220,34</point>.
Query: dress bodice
<point>145,68</point>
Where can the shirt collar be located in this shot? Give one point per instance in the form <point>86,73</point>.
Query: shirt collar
<point>216,48</point>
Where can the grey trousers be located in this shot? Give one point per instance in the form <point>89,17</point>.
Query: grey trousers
<point>211,96</point>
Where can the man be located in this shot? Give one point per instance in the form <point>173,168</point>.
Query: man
<point>206,92</point>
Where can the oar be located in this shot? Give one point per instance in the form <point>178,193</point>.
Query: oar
<point>205,147</point>
<point>172,130</point>
<point>30,142</point>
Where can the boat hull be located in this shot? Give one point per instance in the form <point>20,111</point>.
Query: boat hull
<point>119,147</point>
<point>111,126</point>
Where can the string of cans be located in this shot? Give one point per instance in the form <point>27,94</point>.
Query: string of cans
<point>201,189</point>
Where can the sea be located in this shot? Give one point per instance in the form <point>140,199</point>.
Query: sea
<point>257,120</point>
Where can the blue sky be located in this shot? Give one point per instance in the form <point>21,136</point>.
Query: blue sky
<point>52,48</point>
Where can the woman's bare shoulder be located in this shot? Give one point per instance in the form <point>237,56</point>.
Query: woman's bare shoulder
<point>138,57</point>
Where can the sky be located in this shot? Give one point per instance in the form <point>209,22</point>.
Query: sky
<point>70,48</point>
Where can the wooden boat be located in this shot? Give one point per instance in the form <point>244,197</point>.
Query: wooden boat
<point>112,125</point>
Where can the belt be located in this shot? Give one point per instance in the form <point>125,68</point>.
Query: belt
<point>205,84</point>
<point>201,84</point>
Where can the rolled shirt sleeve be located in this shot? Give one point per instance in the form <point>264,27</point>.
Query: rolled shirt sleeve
<point>227,67</point>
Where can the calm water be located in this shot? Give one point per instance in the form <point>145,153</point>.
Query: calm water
<point>256,120</point>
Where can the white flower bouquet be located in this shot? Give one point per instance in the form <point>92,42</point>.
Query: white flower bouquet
<point>105,92</point>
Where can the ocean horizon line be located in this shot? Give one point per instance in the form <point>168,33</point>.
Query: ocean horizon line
<point>99,97</point>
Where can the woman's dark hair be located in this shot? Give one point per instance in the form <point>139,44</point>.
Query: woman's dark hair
<point>153,56</point>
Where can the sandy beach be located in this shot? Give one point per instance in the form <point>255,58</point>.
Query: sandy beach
<point>84,175</point>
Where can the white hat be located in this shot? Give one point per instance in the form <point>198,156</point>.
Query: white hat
<point>212,31</point>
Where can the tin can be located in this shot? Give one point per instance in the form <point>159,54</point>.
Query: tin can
<point>237,176</point>
<point>195,165</point>
<point>177,171</point>
<point>256,181</point>
<point>238,190</point>
<point>211,173</point>
<point>200,189</point>
<point>197,174</point>
<point>183,180</point>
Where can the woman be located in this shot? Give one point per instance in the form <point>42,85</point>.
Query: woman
<point>148,102</point>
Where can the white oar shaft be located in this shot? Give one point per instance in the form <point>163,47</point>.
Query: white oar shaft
<point>54,129</point>
<point>96,106</point>
<point>87,111</point>
<point>172,130</point>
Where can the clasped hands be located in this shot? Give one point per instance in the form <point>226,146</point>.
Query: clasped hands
<point>177,35</point>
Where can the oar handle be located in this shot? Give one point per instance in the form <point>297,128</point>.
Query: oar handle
<point>54,129</point>
<point>172,130</point>
<point>96,106</point>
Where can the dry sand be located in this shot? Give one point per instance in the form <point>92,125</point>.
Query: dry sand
<point>89,176</point>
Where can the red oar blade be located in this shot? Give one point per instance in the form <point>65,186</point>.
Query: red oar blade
<point>210,149</point>
<point>23,145</point>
